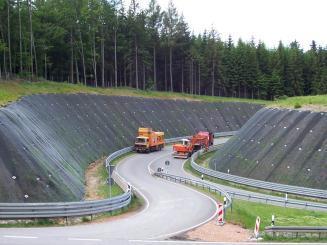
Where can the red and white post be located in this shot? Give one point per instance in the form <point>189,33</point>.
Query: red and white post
<point>220,218</point>
<point>257,227</point>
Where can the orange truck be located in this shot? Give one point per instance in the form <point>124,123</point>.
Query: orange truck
<point>187,147</point>
<point>149,140</point>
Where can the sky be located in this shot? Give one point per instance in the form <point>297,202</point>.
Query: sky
<point>265,20</point>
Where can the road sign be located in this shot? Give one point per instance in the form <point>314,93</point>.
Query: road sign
<point>167,163</point>
<point>257,227</point>
<point>220,214</point>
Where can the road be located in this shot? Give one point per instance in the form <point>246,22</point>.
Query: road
<point>170,209</point>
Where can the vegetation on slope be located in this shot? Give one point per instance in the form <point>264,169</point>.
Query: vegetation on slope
<point>13,90</point>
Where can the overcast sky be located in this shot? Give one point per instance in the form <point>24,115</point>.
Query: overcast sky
<point>266,20</point>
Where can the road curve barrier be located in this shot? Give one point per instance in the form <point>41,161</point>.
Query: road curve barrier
<point>263,185</point>
<point>71,209</point>
<point>299,231</point>
<point>197,183</point>
<point>76,209</point>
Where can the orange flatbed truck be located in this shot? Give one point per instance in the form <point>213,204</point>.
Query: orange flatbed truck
<point>187,147</point>
<point>149,140</point>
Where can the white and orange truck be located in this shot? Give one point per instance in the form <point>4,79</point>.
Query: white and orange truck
<point>187,147</point>
<point>149,140</point>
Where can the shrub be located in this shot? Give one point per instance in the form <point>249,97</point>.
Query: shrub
<point>297,105</point>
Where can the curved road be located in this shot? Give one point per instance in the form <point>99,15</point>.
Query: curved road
<point>170,209</point>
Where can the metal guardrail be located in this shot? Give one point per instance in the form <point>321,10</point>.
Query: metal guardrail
<point>266,199</point>
<point>71,209</point>
<point>276,230</point>
<point>297,190</point>
<point>197,183</point>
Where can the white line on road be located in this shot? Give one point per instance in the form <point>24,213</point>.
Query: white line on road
<point>20,237</point>
<point>85,239</point>
<point>202,242</point>
<point>192,227</point>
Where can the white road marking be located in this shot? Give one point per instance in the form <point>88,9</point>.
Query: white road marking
<point>202,242</point>
<point>20,237</point>
<point>85,239</point>
<point>192,227</point>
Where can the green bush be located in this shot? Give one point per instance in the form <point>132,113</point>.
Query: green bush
<point>297,105</point>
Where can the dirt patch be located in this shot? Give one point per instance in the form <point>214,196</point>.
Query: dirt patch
<point>93,181</point>
<point>317,108</point>
<point>211,232</point>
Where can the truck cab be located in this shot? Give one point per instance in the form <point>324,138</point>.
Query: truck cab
<point>149,140</point>
<point>141,143</point>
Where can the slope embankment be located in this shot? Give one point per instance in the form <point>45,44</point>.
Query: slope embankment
<point>284,146</point>
<point>47,141</point>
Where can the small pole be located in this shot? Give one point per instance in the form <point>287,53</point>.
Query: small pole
<point>202,176</point>
<point>272,220</point>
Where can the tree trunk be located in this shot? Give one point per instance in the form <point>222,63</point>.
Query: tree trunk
<point>71,57</point>
<point>31,39</point>
<point>20,39</point>
<point>136,66</point>
<point>94,63</point>
<point>166,85</point>
<point>143,76</point>
<point>171,69</point>
<point>182,77</point>
<point>191,76</point>
<point>77,71</point>
<point>102,59</point>
<point>213,79</point>
<point>4,64</point>
<point>9,38</point>
<point>154,68</point>
<point>45,66</point>
<point>83,58</point>
<point>199,73</point>
<point>116,79</point>
<point>35,60</point>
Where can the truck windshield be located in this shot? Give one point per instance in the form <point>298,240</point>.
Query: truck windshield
<point>141,140</point>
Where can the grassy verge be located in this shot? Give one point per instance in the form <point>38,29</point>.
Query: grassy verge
<point>298,102</point>
<point>204,161</point>
<point>103,189</point>
<point>13,90</point>
<point>244,213</point>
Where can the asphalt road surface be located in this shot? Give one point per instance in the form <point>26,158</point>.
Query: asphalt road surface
<point>170,209</point>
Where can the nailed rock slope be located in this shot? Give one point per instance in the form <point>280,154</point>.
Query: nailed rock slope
<point>284,146</point>
<point>47,141</point>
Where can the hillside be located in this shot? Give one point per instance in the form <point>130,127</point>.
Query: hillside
<point>47,141</point>
<point>285,146</point>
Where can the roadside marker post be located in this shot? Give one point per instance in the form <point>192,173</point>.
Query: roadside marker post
<point>220,218</point>
<point>257,227</point>
<point>273,220</point>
